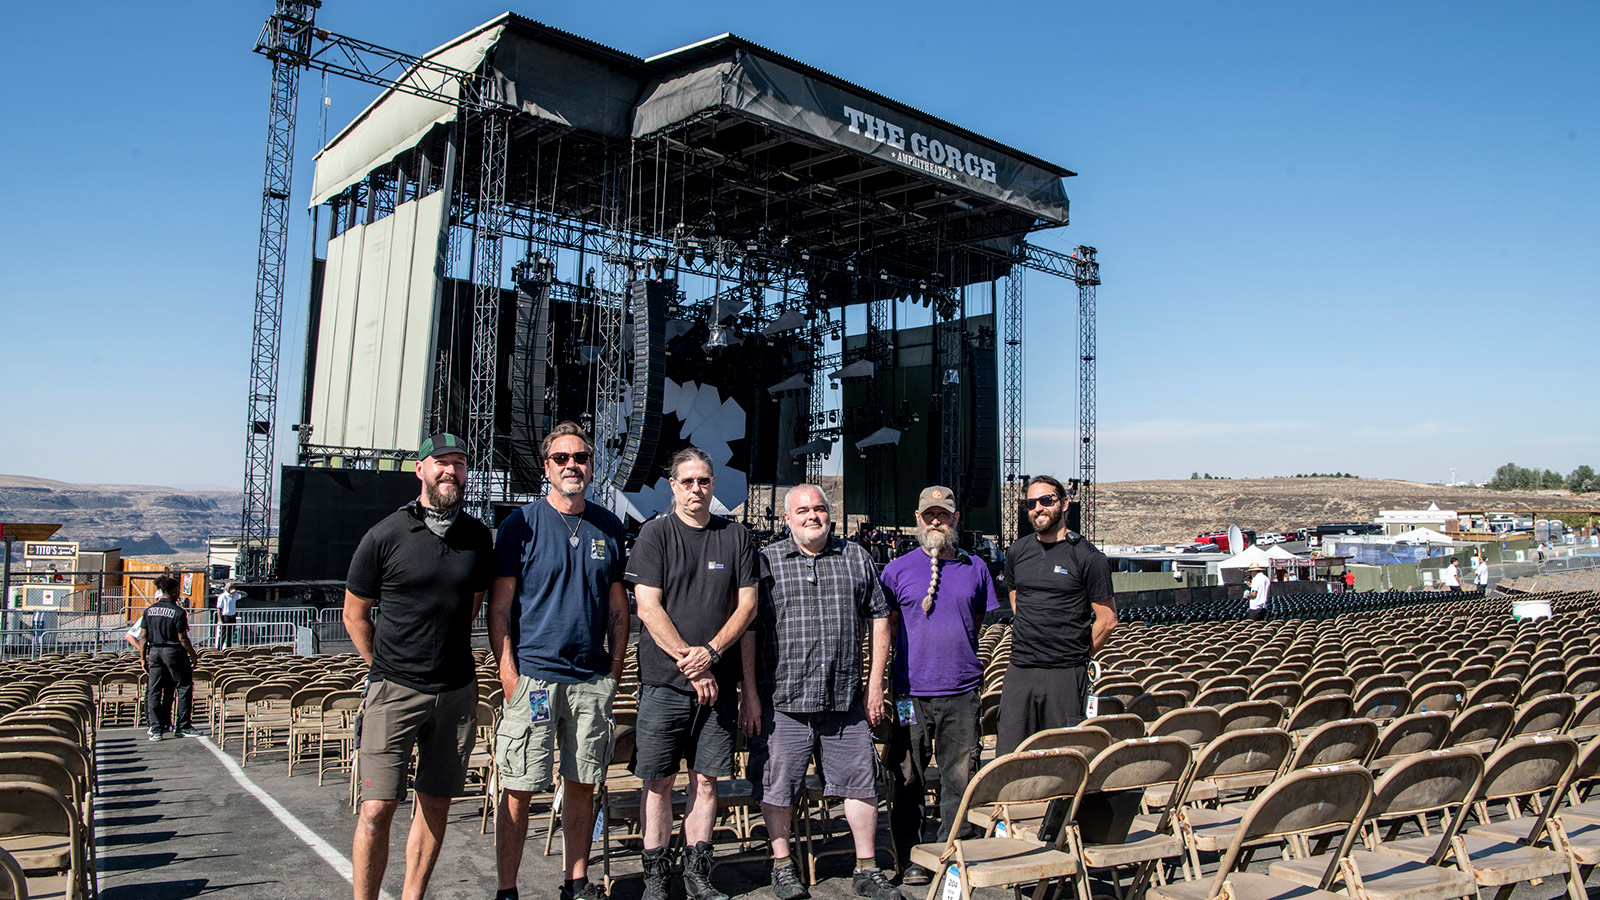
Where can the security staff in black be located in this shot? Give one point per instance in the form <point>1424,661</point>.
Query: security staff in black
<point>1063,612</point>
<point>169,659</point>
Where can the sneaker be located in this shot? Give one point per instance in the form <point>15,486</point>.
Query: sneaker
<point>874,884</point>
<point>786,883</point>
<point>591,890</point>
<point>186,732</point>
<point>156,736</point>
<point>915,875</point>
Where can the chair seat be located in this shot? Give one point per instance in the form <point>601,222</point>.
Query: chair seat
<point>1588,811</point>
<point>39,852</point>
<point>1385,877</point>
<point>1158,796</point>
<point>999,861</point>
<point>1024,817</point>
<point>1245,886</point>
<point>1583,835</point>
<point>1494,860</point>
<point>1144,843</point>
<point>49,887</point>
<point>1211,829</point>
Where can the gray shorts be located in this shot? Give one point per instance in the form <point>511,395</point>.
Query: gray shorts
<point>841,741</point>
<point>443,728</point>
<point>576,718</point>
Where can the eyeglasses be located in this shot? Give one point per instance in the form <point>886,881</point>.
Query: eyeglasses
<point>1045,500</point>
<point>703,481</point>
<point>582,458</point>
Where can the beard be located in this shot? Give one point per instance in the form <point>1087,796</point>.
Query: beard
<point>568,490</point>
<point>443,494</point>
<point>1056,513</point>
<point>936,540</point>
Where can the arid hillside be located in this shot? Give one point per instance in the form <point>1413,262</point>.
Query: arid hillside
<point>1165,512</point>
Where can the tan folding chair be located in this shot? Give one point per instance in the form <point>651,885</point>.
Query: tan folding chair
<point>1382,705</point>
<point>1481,727</point>
<point>1235,766</point>
<point>1015,779</point>
<point>1409,734</point>
<point>1195,725</point>
<point>1252,714</point>
<point>1544,714</point>
<point>1345,740</point>
<point>1495,690</point>
<point>39,828</point>
<point>1328,802</point>
<point>1441,782</point>
<point>1121,727</point>
<point>1116,837</point>
<point>1585,722</point>
<point>1506,852</point>
<point>1089,740</point>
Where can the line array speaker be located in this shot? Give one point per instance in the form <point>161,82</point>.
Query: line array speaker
<point>526,380</point>
<point>983,425</point>
<point>648,301</point>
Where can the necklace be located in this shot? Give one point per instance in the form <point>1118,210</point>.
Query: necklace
<point>573,540</point>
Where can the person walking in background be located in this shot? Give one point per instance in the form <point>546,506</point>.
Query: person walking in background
<point>1063,613</point>
<point>168,659</point>
<point>694,576</point>
<point>227,615</point>
<point>1451,576</point>
<point>820,600</point>
<point>558,598</point>
<point>940,596</point>
<point>1480,572</point>
<point>429,564</point>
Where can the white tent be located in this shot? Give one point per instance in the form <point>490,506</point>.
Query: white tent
<point>1422,536</point>
<point>1277,552</point>
<point>1250,556</point>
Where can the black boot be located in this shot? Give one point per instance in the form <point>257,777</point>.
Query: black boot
<point>657,868</point>
<point>697,874</point>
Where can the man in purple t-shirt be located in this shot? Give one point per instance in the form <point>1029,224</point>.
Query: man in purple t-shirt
<point>940,596</point>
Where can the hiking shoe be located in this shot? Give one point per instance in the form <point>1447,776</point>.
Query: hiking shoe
<point>156,736</point>
<point>657,869</point>
<point>874,884</point>
<point>915,874</point>
<point>697,873</point>
<point>786,883</point>
<point>590,891</point>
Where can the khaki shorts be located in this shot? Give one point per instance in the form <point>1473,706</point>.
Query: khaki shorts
<point>443,728</point>
<point>577,717</point>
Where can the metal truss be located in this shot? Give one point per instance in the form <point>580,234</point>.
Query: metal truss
<point>949,361</point>
<point>285,40</point>
<point>487,480</point>
<point>328,455</point>
<point>1011,413</point>
<point>1087,275</point>
<point>615,248</point>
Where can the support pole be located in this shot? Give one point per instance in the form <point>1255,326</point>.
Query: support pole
<point>1087,274</point>
<point>1011,475</point>
<point>485,482</point>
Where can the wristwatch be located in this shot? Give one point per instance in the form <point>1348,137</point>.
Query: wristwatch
<point>715,656</point>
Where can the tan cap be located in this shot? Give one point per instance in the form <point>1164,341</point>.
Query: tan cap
<point>937,496</point>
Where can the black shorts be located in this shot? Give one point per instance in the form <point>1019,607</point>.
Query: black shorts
<point>673,726</point>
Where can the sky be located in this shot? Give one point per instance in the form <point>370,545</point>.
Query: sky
<point>1354,237</point>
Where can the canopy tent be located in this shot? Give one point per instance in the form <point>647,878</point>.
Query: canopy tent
<point>1250,556</point>
<point>1423,536</point>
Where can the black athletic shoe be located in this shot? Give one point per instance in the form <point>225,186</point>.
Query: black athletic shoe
<point>697,874</point>
<point>874,884</point>
<point>786,883</point>
<point>657,869</point>
<point>591,890</point>
<point>915,875</point>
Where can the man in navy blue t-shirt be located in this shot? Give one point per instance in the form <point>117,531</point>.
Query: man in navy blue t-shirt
<point>557,597</point>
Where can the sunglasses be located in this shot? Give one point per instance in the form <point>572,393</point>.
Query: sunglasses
<point>582,458</point>
<point>703,481</point>
<point>1045,500</point>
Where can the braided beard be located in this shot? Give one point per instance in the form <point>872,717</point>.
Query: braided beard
<point>934,542</point>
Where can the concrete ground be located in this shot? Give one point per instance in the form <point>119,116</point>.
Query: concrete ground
<point>177,819</point>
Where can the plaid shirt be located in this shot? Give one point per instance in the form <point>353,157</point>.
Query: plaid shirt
<point>811,624</point>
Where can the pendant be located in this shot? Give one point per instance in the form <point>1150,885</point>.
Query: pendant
<point>573,540</point>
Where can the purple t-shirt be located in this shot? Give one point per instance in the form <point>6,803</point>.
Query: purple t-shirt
<point>936,654</point>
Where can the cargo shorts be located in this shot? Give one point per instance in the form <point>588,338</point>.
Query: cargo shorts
<point>574,718</point>
<point>442,727</point>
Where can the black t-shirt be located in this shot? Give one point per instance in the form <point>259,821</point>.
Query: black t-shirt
<point>424,585</point>
<point>1056,585</point>
<point>699,572</point>
<point>163,622</point>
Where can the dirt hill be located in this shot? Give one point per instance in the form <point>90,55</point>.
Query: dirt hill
<point>1165,512</point>
<point>143,520</point>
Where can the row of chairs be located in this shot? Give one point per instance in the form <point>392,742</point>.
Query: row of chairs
<point>48,781</point>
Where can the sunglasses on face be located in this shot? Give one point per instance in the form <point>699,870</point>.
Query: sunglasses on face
<point>582,458</point>
<point>1045,500</point>
<point>702,481</point>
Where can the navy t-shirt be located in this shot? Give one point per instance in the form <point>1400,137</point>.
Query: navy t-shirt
<point>560,610</point>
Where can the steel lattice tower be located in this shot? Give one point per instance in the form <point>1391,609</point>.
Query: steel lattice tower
<point>1088,278</point>
<point>1011,417</point>
<point>488,469</point>
<point>286,40</point>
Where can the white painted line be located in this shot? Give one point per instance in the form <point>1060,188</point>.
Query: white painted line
<point>318,846</point>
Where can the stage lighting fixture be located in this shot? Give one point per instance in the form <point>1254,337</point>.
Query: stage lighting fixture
<point>883,274</point>
<point>659,263</point>
<point>833,385</point>
<point>751,246</point>
<point>850,267</point>
<point>805,255</point>
<point>833,417</point>
<point>716,342</point>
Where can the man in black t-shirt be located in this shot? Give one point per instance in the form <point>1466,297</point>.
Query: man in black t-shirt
<point>168,657</point>
<point>427,566</point>
<point>695,577</point>
<point>1063,612</point>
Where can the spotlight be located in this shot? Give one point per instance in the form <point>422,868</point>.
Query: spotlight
<point>850,266</point>
<point>833,417</point>
<point>833,385</point>
<point>883,274</point>
<point>805,255</point>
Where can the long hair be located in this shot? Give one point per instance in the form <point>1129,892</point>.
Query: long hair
<point>686,455</point>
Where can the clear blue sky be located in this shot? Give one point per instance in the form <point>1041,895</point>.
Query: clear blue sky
<point>1335,237</point>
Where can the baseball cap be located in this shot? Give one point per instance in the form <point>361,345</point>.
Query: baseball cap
<point>441,444</point>
<point>937,496</point>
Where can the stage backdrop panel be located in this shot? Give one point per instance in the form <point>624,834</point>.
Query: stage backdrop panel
<point>375,334</point>
<point>324,512</point>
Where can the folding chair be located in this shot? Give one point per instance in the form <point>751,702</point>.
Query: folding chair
<point>1195,725</point>
<point>1409,734</point>
<point>1121,727</point>
<point>1481,727</point>
<point>39,828</point>
<point>1122,838</point>
<point>1585,722</point>
<point>1033,777</point>
<point>1252,714</point>
<point>1346,740</point>
<point>1544,714</point>
<point>1495,690</point>
<point>1443,696</point>
<point>1382,705</point>
<point>1329,802</point>
<point>1234,767</point>
<point>1438,782</point>
<point>1318,711</point>
<point>1504,853</point>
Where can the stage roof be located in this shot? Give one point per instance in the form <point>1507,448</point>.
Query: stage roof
<point>741,123</point>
